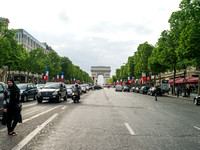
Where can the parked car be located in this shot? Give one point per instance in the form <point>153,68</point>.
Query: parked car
<point>83,87</point>
<point>126,89</point>
<point>118,88</point>
<point>69,90</point>
<point>144,89</point>
<point>197,100</point>
<point>52,91</point>
<point>27,91</point>
<point>3,87</point>
<point>151,91</point>
<point>133,89</point>
<point>137,89</point>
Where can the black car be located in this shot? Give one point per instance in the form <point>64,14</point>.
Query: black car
<point>27,91</point>
<point>3,87</point>
<point>144,89</point>
<point>52,91</point>
<point>97,87</point>
<point>197,100</point>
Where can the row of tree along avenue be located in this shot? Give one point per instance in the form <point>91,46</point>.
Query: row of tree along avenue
<point>176,48</point>
<point>16,58</point>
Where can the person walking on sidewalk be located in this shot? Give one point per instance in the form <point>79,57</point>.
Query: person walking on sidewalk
<point>155,93</point>
<point>12,107</point>
<point>177,91</point>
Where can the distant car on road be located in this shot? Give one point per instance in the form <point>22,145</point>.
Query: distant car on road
<point>52,91</point>
<point>144,89</point>
<point>137,89</point>
<point>28,90</point>
<point>118,88</point>
<point>3,87</point>
<point>69,90</point>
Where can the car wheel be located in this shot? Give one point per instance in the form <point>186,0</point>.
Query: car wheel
<point>58,99</point>
<point>25,98</point>
<point>196,101</point>
<point>39,100</point>
<point>34,97</point>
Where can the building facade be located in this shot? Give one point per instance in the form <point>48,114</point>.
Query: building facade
<point>28,41</point>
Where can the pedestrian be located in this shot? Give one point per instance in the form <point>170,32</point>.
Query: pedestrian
<point>12,107</point>
<point>177,91</point>
<point>188,90</point>
<point>155,93</point>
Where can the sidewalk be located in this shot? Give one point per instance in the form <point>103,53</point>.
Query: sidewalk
<point>192,96</point>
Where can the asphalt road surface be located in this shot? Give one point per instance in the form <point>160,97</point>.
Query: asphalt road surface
<point>107,120</point>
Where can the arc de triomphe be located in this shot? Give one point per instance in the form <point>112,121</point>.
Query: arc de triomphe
<point>100,70</point>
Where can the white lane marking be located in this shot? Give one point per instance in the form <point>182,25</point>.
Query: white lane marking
<point>197,128</point>
<point>28,119</point>
<point>28,105</point>
<point>63,107</point>
<point>33,134</point>
<point>129,129</point>
<point>40,114</point>
<point>151,108</point>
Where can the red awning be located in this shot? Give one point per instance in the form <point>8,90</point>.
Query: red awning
<point>192,80</point>
<point>177,81</point>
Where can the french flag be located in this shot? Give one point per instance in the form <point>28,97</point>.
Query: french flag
<point>58,78</point>
<point>74,80</point>
<point>129,81</point>
<point>62,76</point>
<point>117,82</point>
<point>121,81</point>
<point>47,74</point>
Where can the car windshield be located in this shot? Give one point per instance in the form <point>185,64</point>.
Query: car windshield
<point>22,86</point>
<point>52,86</point>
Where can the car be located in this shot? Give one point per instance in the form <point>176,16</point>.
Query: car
<point>197,100</point>
<point>126,89</point>
<point>97,87</point>
<point>118,88</point>
<point>133,89</point>
<point>137,89</point>
<point>69,90</point>
<point>144,89</point>
<point>40,86</point>
<point>27,91</point>
<point>52,91</point>
<point>83,87</point>
<point>3,87</point>
<point>151,91</point>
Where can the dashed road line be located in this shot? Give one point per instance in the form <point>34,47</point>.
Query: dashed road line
<point>197,128</point>
<point>63,107</point>
<point>129,129</point>
<point>150,108</point>
<point>33,134</point>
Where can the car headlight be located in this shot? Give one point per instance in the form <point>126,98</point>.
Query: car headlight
<point>55,93</point>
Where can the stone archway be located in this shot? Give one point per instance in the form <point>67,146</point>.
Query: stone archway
<point>100,70</point>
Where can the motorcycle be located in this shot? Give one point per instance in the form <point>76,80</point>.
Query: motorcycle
<point>75,97</point>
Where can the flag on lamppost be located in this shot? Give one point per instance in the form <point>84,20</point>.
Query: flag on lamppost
<point>58,78</point>
<point>121,81</point>
<point>47,74</point>
<point>62,76</point>
<point>117,82</point>
<point>144,77</point>
<point>129,81</point>
<point>133,79</point>
<point>71,80</point>
<point>74,80</point>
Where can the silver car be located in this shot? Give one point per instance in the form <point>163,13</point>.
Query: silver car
<point>118,88</point>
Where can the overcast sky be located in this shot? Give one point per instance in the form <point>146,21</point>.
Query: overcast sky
<point>92,32</point>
